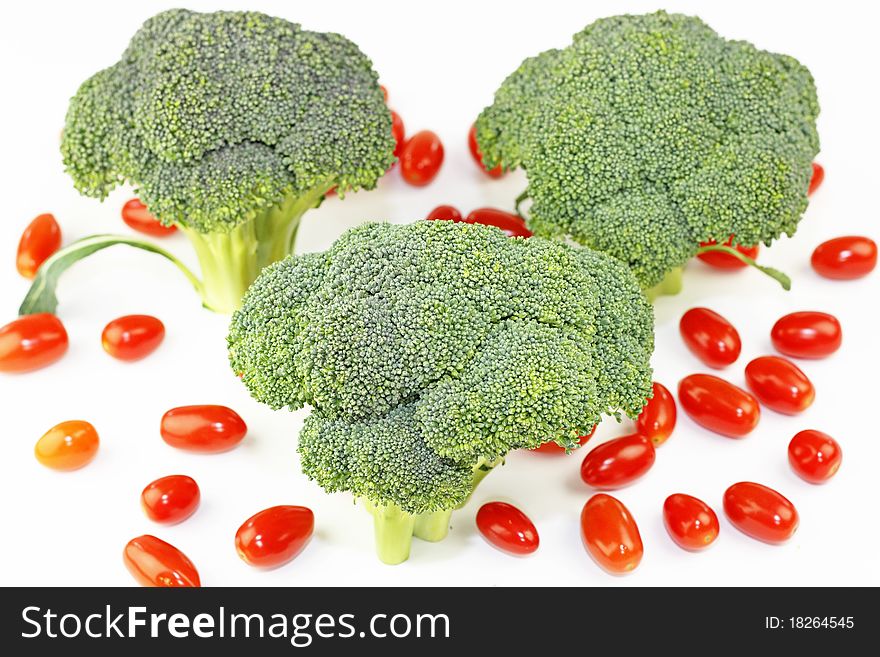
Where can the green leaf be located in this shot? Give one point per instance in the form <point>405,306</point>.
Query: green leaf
<point>780,277</point>
<point>41,297</point>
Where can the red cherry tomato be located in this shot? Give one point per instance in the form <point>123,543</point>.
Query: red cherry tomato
<point>510,224</point>
<point>136,215</point>
<point>67,446</point>
<point>171,499</point>
<point>721,260</point>
<point>39,240</point>
<point>507,528</point>
<point>814,456</point>
<point>845,258</point>
<point>760,512</point>
<point>132,337</point>
<point>274,536</point>
<point>398,132</point>
<point>817,178</point>
<point>553,448</point>
<point>618,462</point>
<point>807,334</point>
<point>657,419</point>
<point>719,406</point>
<point>421,158</point>
<point>478,156</point>
<point>153,562</point>
<point>31,342</point>
<point>384,92</point>
<point>779,384</point>
<point>610,534</point>
<point>444,213</point>
<point>691,523</point>
<point>710,337</point>
<point>203,428</point>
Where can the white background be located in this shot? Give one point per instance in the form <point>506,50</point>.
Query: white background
<point>441,63</point>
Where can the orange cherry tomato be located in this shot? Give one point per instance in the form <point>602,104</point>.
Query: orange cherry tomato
<point>507,528</point>
<point>444,213</point>
<point>817,178</point>
<point>814,456</point>
<point>384,92</point>
<point>845,258</point>
<point>132,337</point>
<point>657,419</point>
<point>610,534</point>
<point>421,158</point>
<point>274,536</point>
<point>136,215</point>
<point>39,240</point>
<point>779,384</point>
<point>171,499</point>
<point>31,342</point>
<point>497,172</point>
<point>67,446</point>
<point>398,132</point>
<point>553,448</point>
<point>203,428</point>
<point>760,512</point>
<point>719,406</point>
<point>721,260</point>
<point>710,337</point>
<point>153,562</point>
<point>510,224</point>
<point>807,334</point>
<point>618,462</point>
<point>691,523</point>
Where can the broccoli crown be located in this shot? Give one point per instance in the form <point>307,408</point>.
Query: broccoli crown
<point>428,348</point>
<point>650,134</point>
<point>216,117</point>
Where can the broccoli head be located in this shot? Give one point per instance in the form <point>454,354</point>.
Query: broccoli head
<point>651,134</point>
<point>429,351</point>
<point>230,125</point>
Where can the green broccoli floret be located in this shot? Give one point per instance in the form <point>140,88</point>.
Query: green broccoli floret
<point>651,134</point>
<point>431,350</point>
<point>230,125</point>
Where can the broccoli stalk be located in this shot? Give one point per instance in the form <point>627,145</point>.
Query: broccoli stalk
<point>230,261</point>
<point>651,134</point>
<point>395,528</point>
<point>429,351</point>
<point>230,125</point>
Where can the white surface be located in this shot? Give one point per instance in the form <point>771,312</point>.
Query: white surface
<point>441,64</point>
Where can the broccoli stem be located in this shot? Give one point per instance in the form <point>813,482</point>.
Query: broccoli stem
<point>481,469</point>
<point>775,274</point>
<point>671,284</point>
<point>231,260</point>
<point>393,528</point>
<point>432,526</point>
